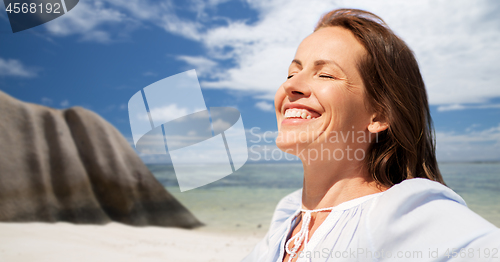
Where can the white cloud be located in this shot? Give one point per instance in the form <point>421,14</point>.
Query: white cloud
<point>87,19</point>
<point>203,66</point>
<point>263,50</point>
<point>13,67</point>
<point>176,25</point>
<point>200,6</point>
<point>46,101</point>
<point>458,61</point>
<point>65,103</point>
<point>470,145</point>
<point>166,113</point>
<point>265,106</point>
<point>457,44</point>
<point>220,124</point>
<point>462,107</point>
<point>104,20</point>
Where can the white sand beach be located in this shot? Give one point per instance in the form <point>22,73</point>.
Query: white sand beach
<point>45,242</point>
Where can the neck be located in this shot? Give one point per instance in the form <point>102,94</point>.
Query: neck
<point>330,183</point>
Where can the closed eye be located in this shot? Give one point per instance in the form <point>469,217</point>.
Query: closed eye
<point>288,77</point>
<point>327,76</point>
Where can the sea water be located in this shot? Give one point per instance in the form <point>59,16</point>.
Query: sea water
<point>244,201</point>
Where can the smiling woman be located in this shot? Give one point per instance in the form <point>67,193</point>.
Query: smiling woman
<point>354,109</point>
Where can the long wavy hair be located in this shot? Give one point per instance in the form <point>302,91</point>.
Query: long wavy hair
<point>396,91</point>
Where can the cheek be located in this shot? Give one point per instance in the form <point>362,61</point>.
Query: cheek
<point>333,101</point>
<point>343,107</point>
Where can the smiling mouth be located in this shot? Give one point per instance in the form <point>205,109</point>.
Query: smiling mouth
<point>297,113</point>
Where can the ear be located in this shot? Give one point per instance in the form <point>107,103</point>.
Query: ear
<point>377,124</point>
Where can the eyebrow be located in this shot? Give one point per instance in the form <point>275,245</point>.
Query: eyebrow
<point>320,63</point>
<point>297,62</point>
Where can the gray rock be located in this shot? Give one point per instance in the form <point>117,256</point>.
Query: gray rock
<point>71,165</point>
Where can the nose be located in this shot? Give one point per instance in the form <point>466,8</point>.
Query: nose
<point>297,87</point>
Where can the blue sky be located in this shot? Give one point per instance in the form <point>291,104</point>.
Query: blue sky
<point>102,52</point>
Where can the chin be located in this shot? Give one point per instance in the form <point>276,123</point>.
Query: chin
<point>288,143</point>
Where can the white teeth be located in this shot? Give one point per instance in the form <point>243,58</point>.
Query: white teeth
<point>296,113</point>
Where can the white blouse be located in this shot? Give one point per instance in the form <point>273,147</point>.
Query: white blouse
<point>415,220</point>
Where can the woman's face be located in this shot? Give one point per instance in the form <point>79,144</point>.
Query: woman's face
<point>322,103</point>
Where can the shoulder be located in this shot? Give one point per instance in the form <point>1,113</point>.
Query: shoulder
<point>412,193</point>
<point>413,201</point>
<point>423,210</point>
<point>416,199</point>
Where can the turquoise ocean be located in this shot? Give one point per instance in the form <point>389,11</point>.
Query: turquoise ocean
<point>243,203</point>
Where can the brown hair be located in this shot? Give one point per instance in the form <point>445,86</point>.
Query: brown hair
<point>395,89</point>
